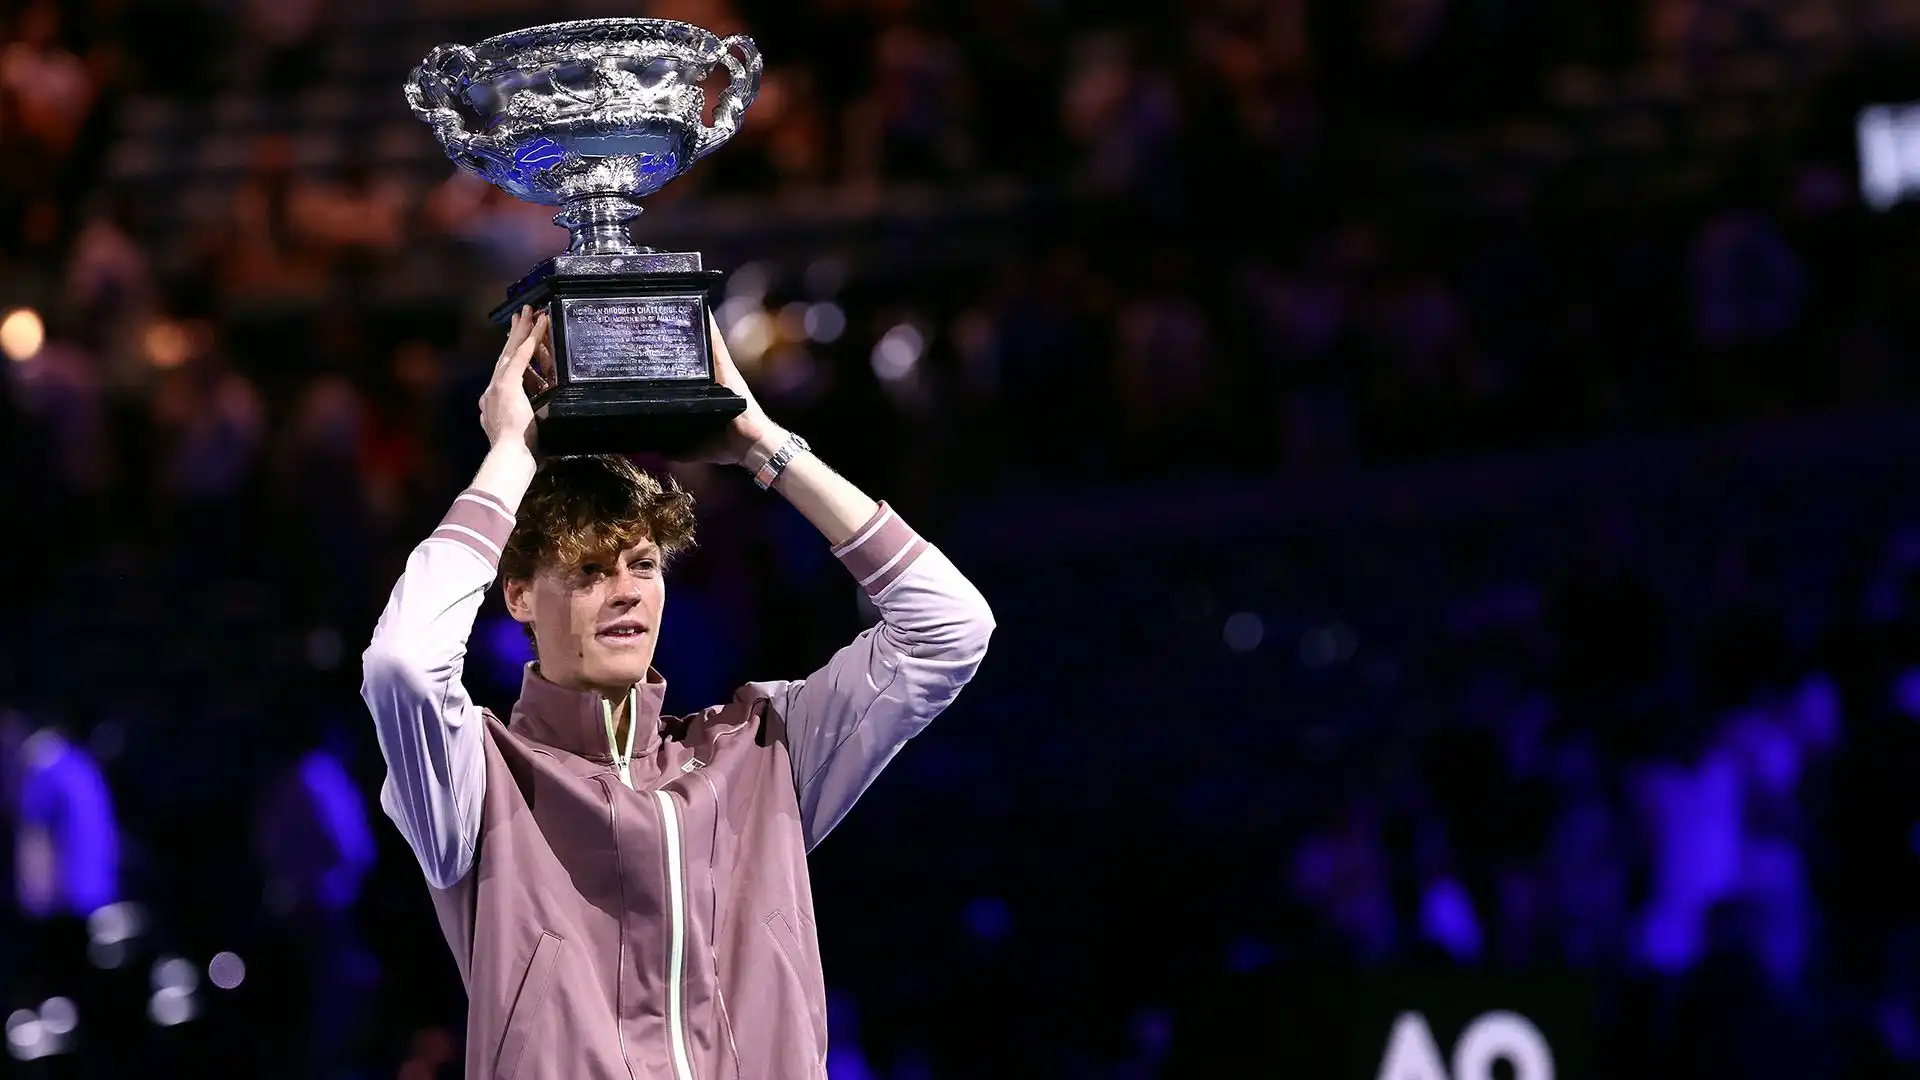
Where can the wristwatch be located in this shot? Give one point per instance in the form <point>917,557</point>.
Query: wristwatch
<point>766,474</point>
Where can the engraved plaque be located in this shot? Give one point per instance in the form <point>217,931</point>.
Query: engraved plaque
<point>643,337</point>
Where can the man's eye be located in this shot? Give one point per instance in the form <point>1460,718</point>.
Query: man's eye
<point>645,566</point>
<point>592,570</point>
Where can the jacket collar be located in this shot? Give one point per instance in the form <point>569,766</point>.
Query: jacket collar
<point>572,720</point>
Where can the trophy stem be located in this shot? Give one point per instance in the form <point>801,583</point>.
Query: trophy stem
<point>599,224</point>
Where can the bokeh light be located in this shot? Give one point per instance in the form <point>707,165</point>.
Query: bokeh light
<point>22,334</point>
<point>168,344</point>
<point>58,1016</point>
<point>1243,632</point>
<point>897,352</point>
<point>824,322</point>
<point>226,970</point>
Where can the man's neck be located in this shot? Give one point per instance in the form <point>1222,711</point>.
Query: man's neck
<point>620,698</point>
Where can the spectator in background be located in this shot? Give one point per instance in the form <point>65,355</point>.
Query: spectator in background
<point>322,498</point>
<point>315,847</point>
<point>1588,863</point>
<point>111,288</point>
<point>356,219</point>
<point>211,425</point>
<point>67,843</point>
<point>1125,117</point>
<point>1341,872</point>
<point>845,1059</point>
<point>794,129</point>
<point>508,234</point>
<point>50,89</point>
<point>283,35</point>
<point>60,391</point>
<point>1690,802</point>
<point>312,837</point>
<point>1043,348</point>
<point>1445,912</point>
<point>1778,741</point>
<point>65,848</point>
<point>1298,324</point>
<point>265,254</point>
<point>1748,287</point>
<point>912,126</point>
<point>1165,368</point>
<point>13,917</point>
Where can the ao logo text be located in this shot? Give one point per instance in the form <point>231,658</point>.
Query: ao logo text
<point>1412,1053</point>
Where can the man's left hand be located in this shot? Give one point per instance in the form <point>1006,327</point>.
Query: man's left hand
<point>745,430</point>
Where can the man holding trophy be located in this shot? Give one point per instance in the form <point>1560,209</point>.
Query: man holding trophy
<point>626,893</point>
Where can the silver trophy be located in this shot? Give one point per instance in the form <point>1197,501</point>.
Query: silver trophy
<point>591,116</point>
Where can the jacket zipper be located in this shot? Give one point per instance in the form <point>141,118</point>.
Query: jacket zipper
<point>620,961</point>
<point>623,764</point>
<point>677,949</point>
<point>622,760</point>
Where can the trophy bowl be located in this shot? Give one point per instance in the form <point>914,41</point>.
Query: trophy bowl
<point>584,110</point>
<point>592,116</point>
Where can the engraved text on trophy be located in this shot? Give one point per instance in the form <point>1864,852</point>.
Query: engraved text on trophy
<point>655,337</point>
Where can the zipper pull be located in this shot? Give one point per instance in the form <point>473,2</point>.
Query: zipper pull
<point>622,762</point>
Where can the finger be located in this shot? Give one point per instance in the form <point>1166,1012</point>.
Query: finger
<point>506,350</point>
<point>539,336</point>
<point>534,383</point>
<point>516,334</point>
<point>723,367</point>
<point>543,363</point>
<point>542,368</point>
<point>517,342</point>
<point>522,354</point>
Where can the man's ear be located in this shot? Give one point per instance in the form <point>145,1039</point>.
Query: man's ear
<point>519,597</point>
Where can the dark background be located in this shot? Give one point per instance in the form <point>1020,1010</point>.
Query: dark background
<point>1442,470</point>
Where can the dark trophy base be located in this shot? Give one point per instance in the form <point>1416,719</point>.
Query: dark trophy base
<point>669,420</point>
<point>633,368</point>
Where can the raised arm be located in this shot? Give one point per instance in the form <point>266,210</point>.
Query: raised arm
<point>431,733</point>
<point>848,719</point>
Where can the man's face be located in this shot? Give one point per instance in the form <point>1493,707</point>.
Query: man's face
<point>595,626</point>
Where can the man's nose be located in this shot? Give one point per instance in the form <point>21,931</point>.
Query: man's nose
<point>626,585</point>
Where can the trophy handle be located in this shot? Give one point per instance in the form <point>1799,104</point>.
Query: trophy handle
<point>433,93</point>
<point>743,85</point>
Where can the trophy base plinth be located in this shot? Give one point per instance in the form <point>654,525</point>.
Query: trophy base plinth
<point>670,419</point>
<point>633,364</point>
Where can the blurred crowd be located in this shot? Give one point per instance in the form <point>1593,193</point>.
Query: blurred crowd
<point>1228,250</point>
<point>1244,238</point>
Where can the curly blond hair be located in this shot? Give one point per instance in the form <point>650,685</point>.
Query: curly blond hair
<point>593,507</point>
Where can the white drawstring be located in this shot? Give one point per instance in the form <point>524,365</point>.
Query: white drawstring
<point>622,762</point>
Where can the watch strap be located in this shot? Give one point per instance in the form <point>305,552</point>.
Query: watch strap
<point>769,471</point>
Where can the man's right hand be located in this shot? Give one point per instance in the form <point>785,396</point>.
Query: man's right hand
<point>506,410</point>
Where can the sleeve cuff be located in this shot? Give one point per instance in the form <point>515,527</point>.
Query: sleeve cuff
<point>480,521</point>
<point>880,551</point>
